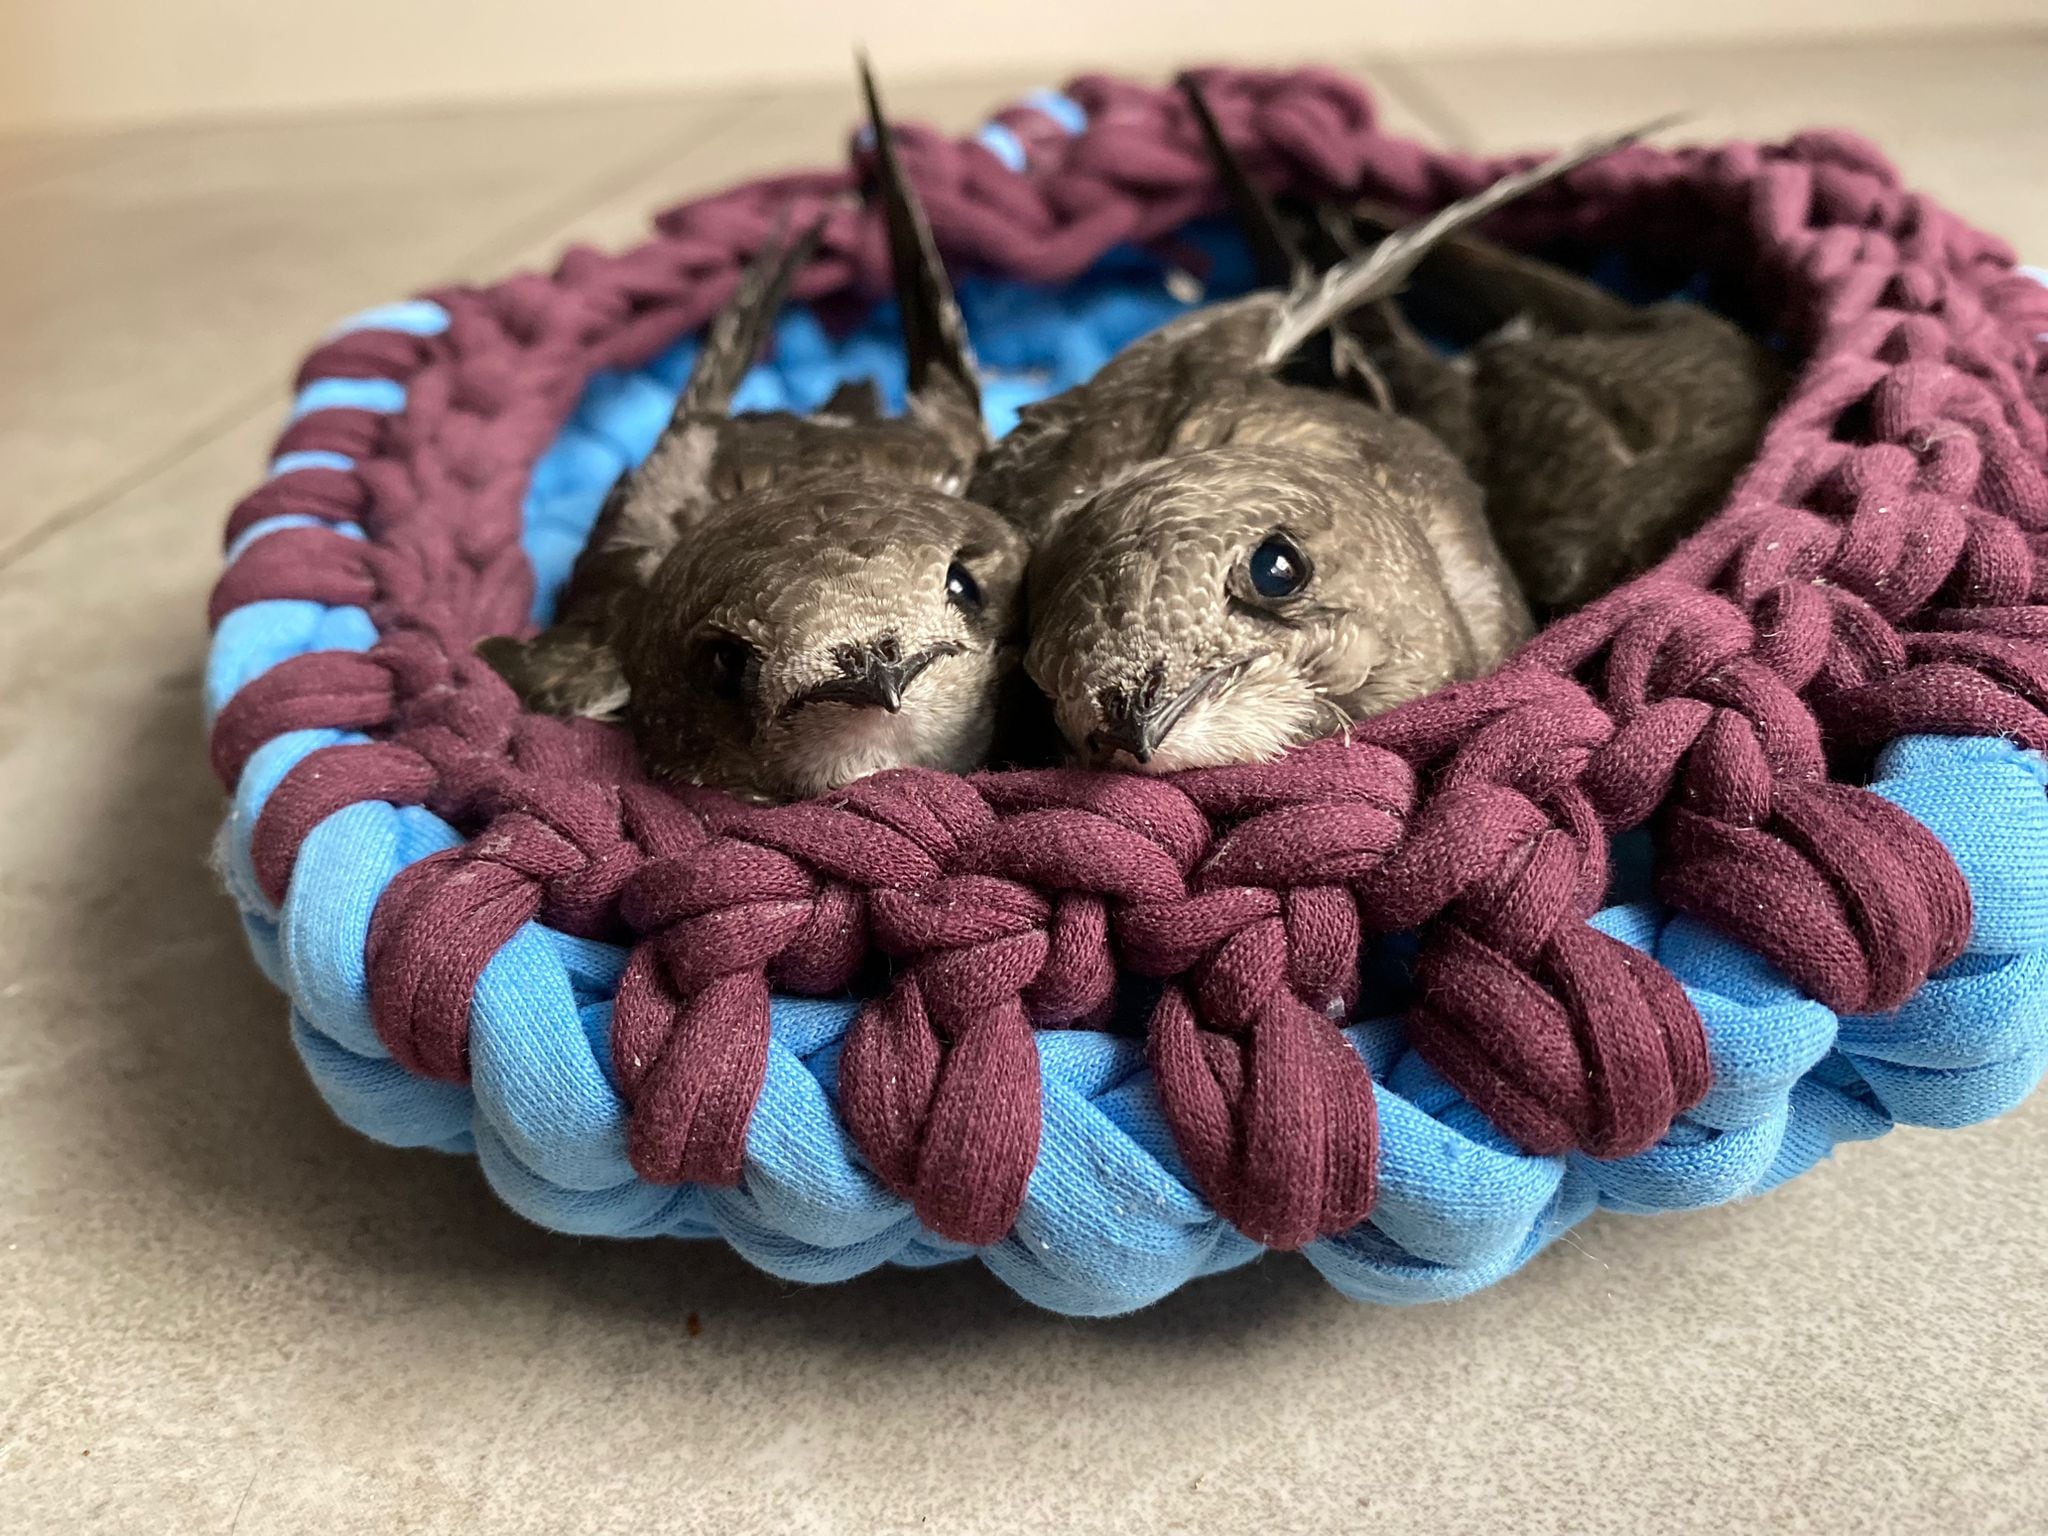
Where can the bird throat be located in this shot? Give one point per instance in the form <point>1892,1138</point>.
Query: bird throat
<point>830,745</point>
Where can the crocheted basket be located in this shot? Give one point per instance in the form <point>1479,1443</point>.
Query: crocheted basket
<point>1393,1001</point>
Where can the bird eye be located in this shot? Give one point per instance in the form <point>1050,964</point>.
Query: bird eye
<point>962,590</point>
<point>726,663</point>
<point>1277,568</point>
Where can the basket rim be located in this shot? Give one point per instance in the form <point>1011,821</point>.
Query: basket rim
<point>1700,694</point>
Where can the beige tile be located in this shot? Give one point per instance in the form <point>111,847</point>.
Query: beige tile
<point>154,284</point>
<point>224,1310</point>
<point>1963,118</point>
<point>23,155</point>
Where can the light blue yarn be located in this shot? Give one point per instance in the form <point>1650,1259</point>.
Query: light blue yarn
<point>414,317</point>
<point>1061,108</point>
<point>255,638</point>
<point>1109,1220</point>
<point>382,395</point>
<point>264,527</point>
<point>308,458</point>
<point>999,141</point>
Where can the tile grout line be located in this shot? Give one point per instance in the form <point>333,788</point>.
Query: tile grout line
<point>506,241</point>
<point>65,518</point>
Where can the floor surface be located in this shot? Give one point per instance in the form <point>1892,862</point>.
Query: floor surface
<point>221,1312</point>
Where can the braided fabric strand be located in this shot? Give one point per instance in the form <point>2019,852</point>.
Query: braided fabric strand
<point>1872,577</point>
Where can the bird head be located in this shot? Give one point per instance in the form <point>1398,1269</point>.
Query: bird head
<point>1227,604</point>
<point>817,633</point>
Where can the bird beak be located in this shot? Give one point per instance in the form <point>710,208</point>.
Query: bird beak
<point>871,676</point>
<point>1130,730</point>
<point>1138,721</point>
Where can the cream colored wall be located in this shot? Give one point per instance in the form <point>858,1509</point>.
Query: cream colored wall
<point>80,62</point>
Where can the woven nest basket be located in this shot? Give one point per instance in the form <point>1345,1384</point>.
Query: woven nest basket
<point>1748,859</point>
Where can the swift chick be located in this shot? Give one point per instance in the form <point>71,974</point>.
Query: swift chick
<point>778,604</point>
<point>1602,431</point>
<point>1231,562</point>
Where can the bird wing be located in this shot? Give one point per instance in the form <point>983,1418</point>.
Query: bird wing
<point>1333,356</point>
<point>1277,256</point>
<point>739,332</point>
<point>1474,287</point>
<point>945,391</point>
<point>1379,272</point>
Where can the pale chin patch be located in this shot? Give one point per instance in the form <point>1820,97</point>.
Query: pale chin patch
<point>1253,720</point>
<point>1211,743</point>
<point>843,743</point>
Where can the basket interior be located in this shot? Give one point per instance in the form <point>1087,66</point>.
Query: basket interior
<point>1031,340</point>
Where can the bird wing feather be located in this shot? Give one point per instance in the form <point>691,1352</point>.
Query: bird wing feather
<point>1379,272</point>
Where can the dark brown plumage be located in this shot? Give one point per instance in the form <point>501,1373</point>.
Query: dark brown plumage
<point>1229,561</point>
<point>1602,431</point>
<point>779,604</point>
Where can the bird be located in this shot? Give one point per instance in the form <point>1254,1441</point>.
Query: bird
<point>1602,431</point>
<point>778,604</point>
<point>1238,546</point>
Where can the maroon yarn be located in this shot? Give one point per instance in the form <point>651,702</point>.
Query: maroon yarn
<point>1873,574</point>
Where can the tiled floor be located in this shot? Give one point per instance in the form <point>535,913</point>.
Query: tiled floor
<point>219,1311</point>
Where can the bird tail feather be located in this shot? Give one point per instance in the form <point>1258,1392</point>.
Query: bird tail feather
<point>1334,353</point>
<point>739,332</point>
<point>1378,273</point>
<point>1473,287</point>
<point>934,333</point>
<point>1277,256</point>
